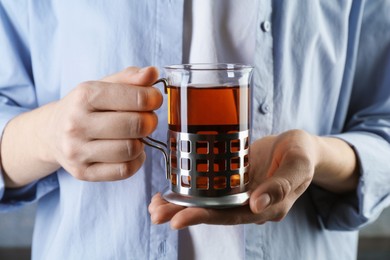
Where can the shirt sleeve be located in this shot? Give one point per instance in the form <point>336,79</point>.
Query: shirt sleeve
<point>17,92</point>
<point>367,130</point>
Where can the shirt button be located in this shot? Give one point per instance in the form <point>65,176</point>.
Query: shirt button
<point>264,108</point>
<point>266,26</point>
<point>162,248</point>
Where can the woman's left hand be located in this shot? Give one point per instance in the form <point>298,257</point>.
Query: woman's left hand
<point>281,169</point>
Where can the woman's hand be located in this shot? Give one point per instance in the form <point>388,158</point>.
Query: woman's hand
<point>93,132</point>
<point>281,169</point>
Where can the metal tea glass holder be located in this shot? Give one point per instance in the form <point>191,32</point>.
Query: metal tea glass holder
<point>206,170</point>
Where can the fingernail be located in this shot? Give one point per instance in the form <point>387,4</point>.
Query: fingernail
<point>262,202</point>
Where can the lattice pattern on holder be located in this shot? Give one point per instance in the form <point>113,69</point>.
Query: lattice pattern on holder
<point>209,165</point>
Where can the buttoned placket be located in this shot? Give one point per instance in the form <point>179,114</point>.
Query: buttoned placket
<point>262,112</point>
<point>263,81</point>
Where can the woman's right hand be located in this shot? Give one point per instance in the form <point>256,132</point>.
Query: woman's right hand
<point>94,131</point>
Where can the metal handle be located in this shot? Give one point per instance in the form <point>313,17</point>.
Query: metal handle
<point>165,82</point>
<point>161,146</point>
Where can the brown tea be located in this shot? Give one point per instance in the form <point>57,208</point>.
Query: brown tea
<point>208,110</point>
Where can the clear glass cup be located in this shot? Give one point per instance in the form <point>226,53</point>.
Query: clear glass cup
<point>208,134</point>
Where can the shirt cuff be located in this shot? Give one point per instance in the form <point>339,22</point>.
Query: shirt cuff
<point>14,198</point>
<point>353,210</point>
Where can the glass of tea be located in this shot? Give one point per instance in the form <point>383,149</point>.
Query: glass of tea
<point>208,140</point>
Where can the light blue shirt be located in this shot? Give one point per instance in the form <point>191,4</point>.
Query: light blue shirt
<point>321,66</point>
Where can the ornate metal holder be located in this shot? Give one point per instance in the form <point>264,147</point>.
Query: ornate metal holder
<point>206,170</point>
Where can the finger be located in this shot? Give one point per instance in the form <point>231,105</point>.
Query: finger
<point>134,76</point>
<point>120,125</point>
<point>195,216</point>
<point>290,179</point>
<point>156,201</point>
<point>242,215</point>
<point>112,151</point>
<point>98,95</point>
<point>162,211</point>
<point>112,171</point>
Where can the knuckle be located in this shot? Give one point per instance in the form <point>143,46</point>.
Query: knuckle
<point>296,154</point>
<point>86,92</point>
<point>125,171</point>
<point>83,86</point>
<point>131,70</point>
<point>155,98</point>
<point>138,125</point>
<point>73,154</point>
<point>153,121</point>
<point>299,159</point>
<point>142,99</point>
<point>298,151</point>
<point>70,151</point>
<point>298,134</point>
<point>148,98</point>
<point>72,126</point>
<point>133,148</point>
<point>301,188</point>
<point>79,173</point>
<point>283,188</point>
<point>143,124</point>
<point>82,91</point>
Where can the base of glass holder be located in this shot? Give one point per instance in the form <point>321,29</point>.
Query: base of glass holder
<point>229,201</point>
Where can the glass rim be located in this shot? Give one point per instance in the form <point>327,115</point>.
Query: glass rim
<point>209,67</point>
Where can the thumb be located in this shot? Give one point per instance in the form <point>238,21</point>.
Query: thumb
<point>135,76</point>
